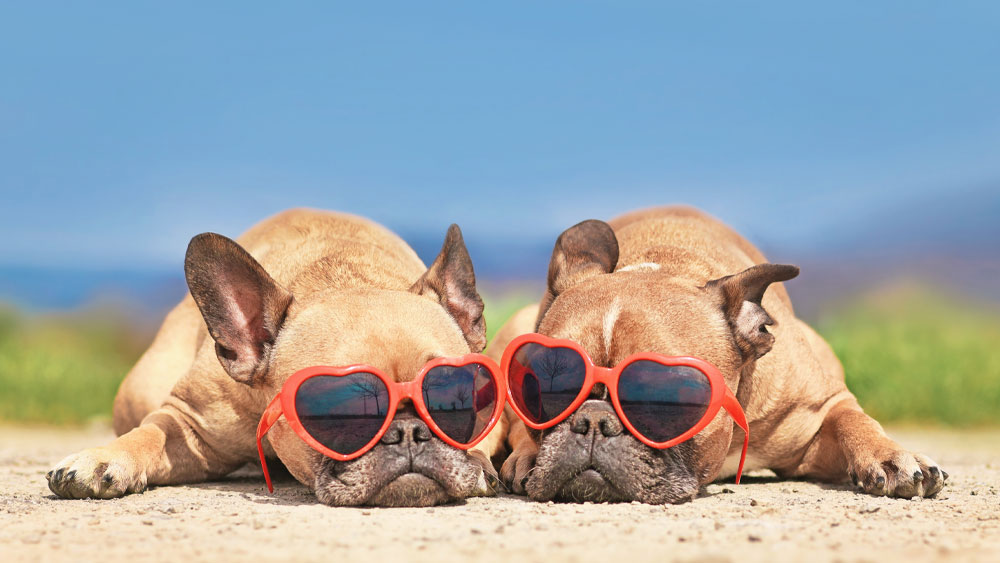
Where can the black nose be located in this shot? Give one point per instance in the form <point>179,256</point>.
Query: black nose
<point>406,429</point>
<point>594,415</point>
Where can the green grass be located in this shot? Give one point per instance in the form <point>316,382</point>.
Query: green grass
<point>911,356</point>
<point>916,356</point>
<point>502,306</point>
<point>62,370</point>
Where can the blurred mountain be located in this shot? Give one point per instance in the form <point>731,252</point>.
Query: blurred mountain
<point>952,242</point>
<point>141,296</point>
<point>495,260</point>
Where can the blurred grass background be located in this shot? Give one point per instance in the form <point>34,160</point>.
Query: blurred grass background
<point>918,356</point>
<point>64,369</point>
<point>913,355</point>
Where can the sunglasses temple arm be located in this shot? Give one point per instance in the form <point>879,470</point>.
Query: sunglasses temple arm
<point>734,409</point>
<point>271,415</point>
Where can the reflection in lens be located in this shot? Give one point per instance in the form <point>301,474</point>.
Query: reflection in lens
<point>342,413</point>
<point>544,381</point>
<point>663,402</point>
<point>460,400</point>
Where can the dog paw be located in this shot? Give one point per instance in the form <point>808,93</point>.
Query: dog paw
<point>517,467</point>
<point>489,483</point>
<point>898,473</point>
<point>96,473</point>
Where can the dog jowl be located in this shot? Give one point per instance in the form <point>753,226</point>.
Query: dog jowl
<point>304,288</point>
<point>674,282</point>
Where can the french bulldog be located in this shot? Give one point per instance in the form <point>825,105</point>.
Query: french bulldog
<point>677,282</point>
<point>302,288</point>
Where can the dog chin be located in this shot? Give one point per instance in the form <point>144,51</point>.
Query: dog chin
<point>377,479</point>
<point>621,470</point>
<point>406,489</point>
<point>411,489</point>
<point>591,486</point>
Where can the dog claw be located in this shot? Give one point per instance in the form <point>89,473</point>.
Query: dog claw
<point>899,474</point>
<point>94,473</point>
<point>497,484</point>
<point>492,481</point>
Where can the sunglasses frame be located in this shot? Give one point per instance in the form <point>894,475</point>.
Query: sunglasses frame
<point>284,404</point>
<point>721,396</point>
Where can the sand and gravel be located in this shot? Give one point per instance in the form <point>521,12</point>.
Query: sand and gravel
<point>762,520</point>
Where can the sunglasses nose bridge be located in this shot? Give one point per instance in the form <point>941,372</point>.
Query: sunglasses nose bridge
<point>408,390</point>
<point>604,375</point>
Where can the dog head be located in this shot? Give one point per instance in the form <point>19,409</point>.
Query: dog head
<point>591,455</point>
<point>264,332</point>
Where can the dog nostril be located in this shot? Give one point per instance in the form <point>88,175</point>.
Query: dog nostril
<point>608,427</point>
<point>421,433</point>
<point>580,425</point>
<point>392,436</point>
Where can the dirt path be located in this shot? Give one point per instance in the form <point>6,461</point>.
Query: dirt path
<point>764,520</point>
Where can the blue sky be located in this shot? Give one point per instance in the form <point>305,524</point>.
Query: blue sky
<point>126,129</point>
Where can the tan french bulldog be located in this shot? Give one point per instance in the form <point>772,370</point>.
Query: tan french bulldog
<point>677,282</point>
<point>300,289</point>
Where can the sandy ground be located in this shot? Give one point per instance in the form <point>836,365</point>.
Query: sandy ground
<point>762,520</point>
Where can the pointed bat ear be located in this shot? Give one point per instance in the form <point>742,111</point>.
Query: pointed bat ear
<point>581,252</point>
<point>741,304</point>
<point>451,281</point>
<point>242,305</point>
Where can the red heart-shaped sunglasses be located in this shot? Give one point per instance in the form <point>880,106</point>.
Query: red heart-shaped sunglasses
<point>342,412</point>
<point>662,400</point>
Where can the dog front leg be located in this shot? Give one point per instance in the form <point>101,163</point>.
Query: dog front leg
<point>163,450</point>
<point>851,444</point>
<point>524,449</point>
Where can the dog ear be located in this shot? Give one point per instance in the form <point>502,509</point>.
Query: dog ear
<point>741,304</point>
<point>582,251</point>
<point>241,304</point>
<point>451,281</point>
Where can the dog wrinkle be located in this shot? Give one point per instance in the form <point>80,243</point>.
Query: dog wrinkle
<point>386,479</point>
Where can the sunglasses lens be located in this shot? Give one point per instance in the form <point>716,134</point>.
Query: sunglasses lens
<point>663,402</point>
<point>342,413</point>
<point>460,400</point>
<point>544,381</point>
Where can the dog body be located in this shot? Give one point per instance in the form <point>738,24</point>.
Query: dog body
<point>677,282</point>
<point>302,288</point>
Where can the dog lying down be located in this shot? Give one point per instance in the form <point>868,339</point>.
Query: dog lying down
<point>298,295</point>
<point>321,341</point>
<point>644,298</point>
